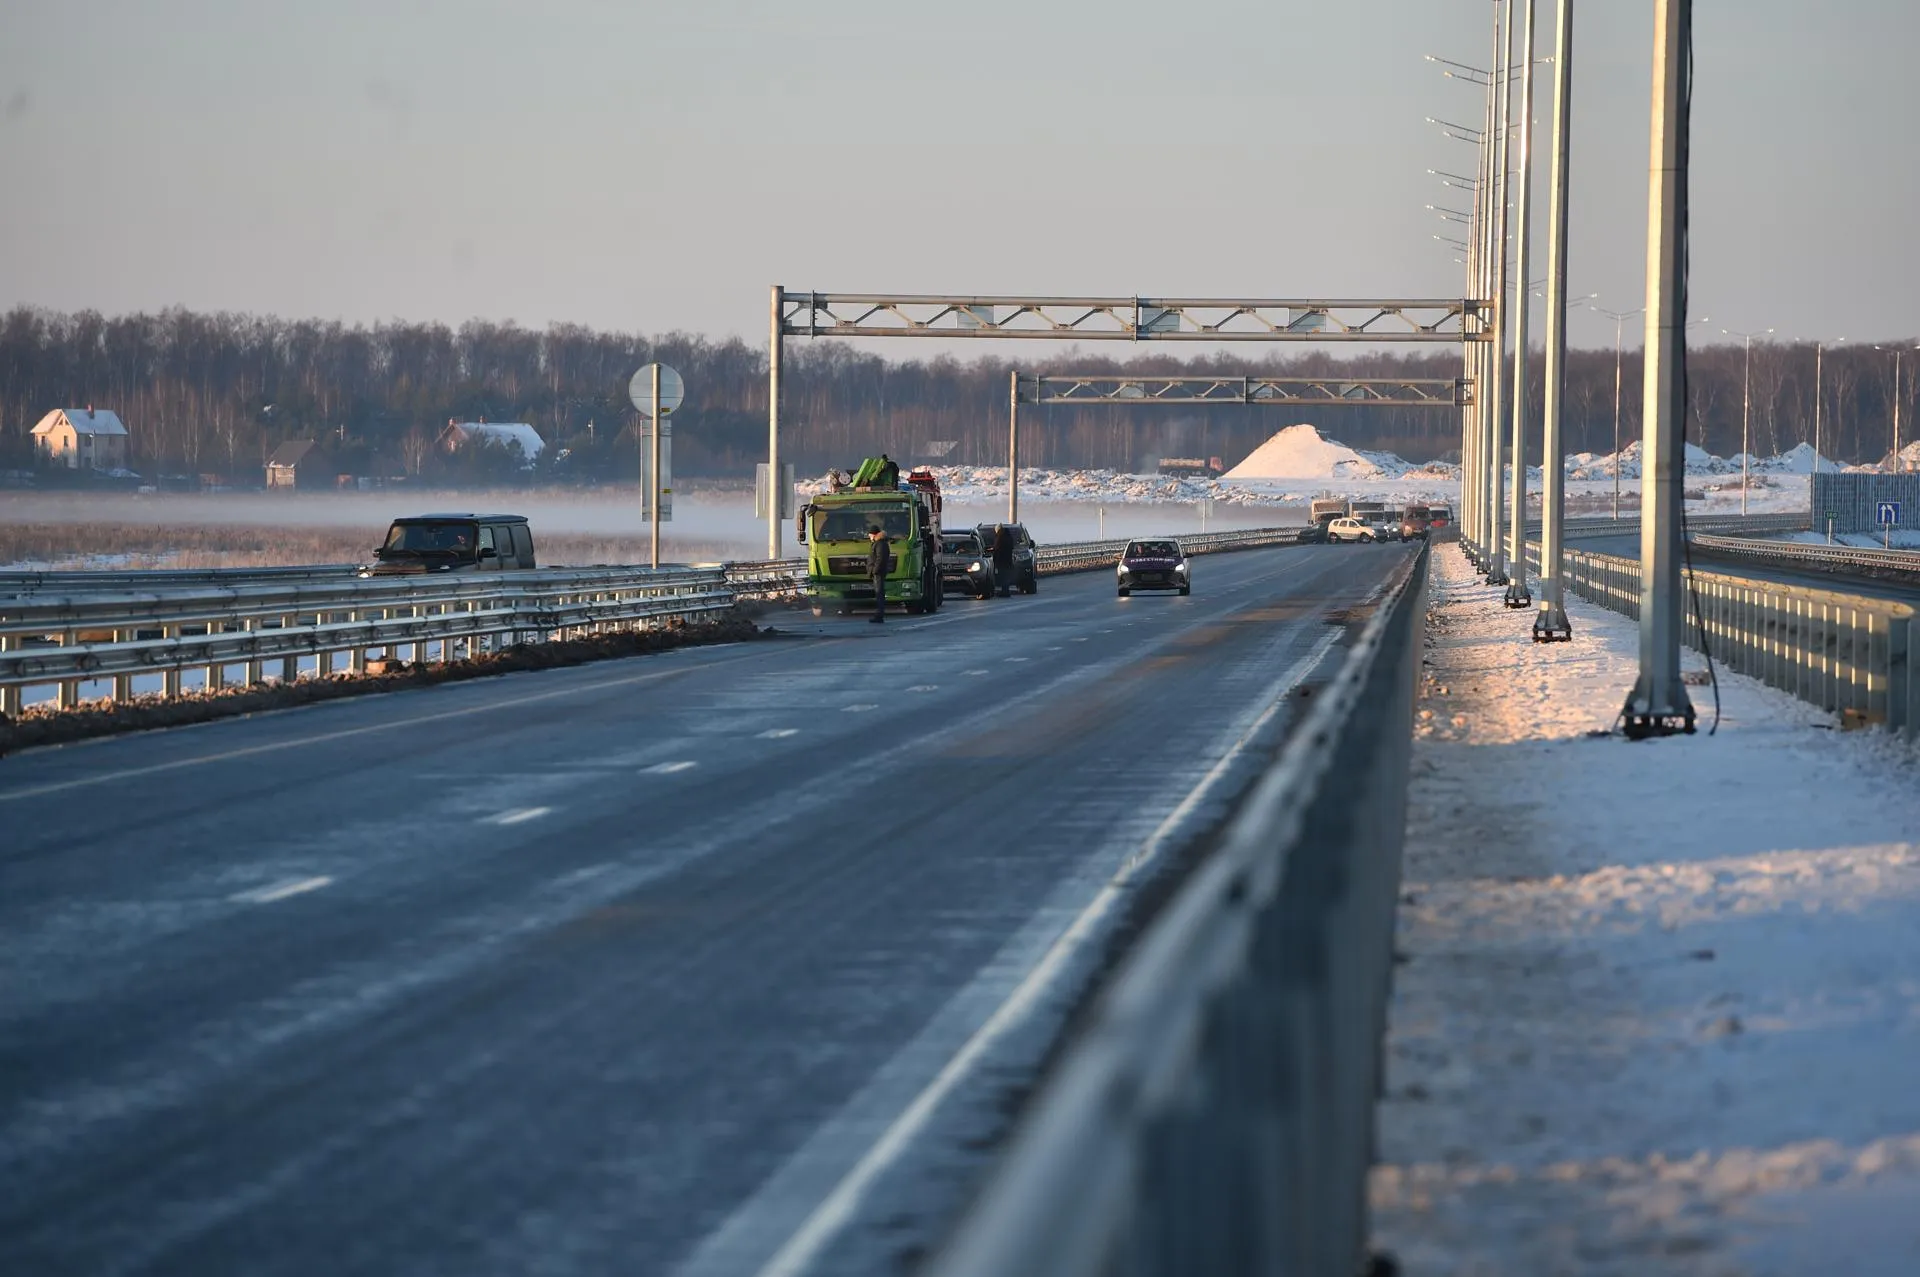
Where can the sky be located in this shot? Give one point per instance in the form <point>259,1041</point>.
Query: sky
<point>656,166</point>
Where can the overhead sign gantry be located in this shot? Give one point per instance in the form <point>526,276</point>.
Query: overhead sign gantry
<point>1112,319</point>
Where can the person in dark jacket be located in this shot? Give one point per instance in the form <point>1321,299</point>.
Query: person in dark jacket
<point>1003,557</point>
<point>879,563</point>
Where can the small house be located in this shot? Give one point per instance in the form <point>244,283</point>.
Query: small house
<point>514,435</point>
<point>284,467</point>
<point>81,439</point>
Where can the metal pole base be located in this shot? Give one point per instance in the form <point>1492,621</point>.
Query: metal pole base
<point>1639,718</point>
<point>1497,574</point>
<point>1550,625</point>
<point>1518,595</point>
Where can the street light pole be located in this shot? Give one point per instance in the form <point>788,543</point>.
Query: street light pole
<point>1658,703</point>
<point>1496,467</point>
<point>1746,409</point>
<point>1517,593</point>
<point>1550,623</point>
<point>1619,318</point>
<point>1897,352</point>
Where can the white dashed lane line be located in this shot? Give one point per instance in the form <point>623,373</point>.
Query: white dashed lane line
<point>779,733</point>
<point>280,891</point>
<point>668,769</point>
<point>517,816</point>
<point>924,687</point>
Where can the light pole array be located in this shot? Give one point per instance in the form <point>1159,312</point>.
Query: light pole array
<point>1746,408</point>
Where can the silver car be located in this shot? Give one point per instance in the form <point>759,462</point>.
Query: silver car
<point>965,565</point>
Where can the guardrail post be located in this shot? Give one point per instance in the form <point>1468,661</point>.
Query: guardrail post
<point>1900,695</point>
<point>170,678</point>
<point>9,696</point>
<point>255,673</point>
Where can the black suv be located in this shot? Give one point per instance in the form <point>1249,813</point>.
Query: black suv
<point>1023,577</point>
<point>454,543</point>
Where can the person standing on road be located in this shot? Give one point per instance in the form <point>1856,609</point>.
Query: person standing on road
<point>879,563</point>
<point>1003,557</point>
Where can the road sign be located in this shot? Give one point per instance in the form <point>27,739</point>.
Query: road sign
<point>1888,513</point>
<point>672,390</point>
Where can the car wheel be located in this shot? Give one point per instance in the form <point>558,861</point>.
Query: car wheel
<point>1366,536</point>
<point>1186,590</point>
<point>1124,592</point>
<point>1031,585</point>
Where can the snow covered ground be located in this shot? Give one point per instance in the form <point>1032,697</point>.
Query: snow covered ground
<point>1298,464</point>
<point>1660,1008</point>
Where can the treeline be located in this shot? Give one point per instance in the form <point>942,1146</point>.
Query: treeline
<point>216,393</point>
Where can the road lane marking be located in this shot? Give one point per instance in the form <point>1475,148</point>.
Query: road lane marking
<point>924,687</point>
<point>837,1208</point>
<point>973,671</point>
<point>1012,659</point>
<point>861,708</point>
<point>280,891</point>
<point>668,769</point>
<point>518,815</point>
<point>273,747</point>
<point>779,733</point>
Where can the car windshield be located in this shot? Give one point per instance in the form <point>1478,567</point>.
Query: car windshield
<point>432,538</point>
<point>959,545</point>
<point>1153,550</point>
<point>850,523</point>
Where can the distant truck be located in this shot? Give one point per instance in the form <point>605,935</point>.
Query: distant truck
<point>1325,510</point>
<point>833,526</point>
<point>1192,467</point>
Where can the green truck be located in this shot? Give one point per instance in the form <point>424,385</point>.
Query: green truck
<point>833,526</point>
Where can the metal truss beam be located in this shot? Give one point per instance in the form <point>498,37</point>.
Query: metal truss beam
<point>1129,318</point>
<point>1427,392</point>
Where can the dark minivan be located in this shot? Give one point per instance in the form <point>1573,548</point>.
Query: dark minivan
<point>454,543</point>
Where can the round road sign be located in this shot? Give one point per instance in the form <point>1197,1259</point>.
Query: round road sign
<point>672,390</point>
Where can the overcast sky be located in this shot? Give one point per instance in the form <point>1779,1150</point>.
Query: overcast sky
<point>655,165</point>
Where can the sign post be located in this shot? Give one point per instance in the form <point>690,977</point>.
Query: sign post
<point>655,392</point>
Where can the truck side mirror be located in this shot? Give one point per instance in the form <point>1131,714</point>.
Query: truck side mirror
<point>800,523</point>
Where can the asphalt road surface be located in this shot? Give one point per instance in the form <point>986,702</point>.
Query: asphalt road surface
<point>1628,547</point>
<point>729,960</point>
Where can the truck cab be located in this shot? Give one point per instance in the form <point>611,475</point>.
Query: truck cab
<point>833,526</point>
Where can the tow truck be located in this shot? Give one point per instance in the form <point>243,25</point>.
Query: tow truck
<point>833,527</point>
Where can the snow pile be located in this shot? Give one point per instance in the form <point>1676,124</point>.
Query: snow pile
<point>1655,1003</point>
<point>1302,452</point>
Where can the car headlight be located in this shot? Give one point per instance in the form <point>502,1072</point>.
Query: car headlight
<point>975,566</point>
<point>1123,569</point>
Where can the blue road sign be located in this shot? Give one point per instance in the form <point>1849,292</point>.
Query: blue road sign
<point>1889,512</point>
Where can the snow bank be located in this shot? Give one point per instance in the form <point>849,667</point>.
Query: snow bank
<point>1656,1013</point>
<point>1302,452</point>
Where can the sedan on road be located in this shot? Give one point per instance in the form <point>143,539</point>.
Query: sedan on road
<point>1159,564</point>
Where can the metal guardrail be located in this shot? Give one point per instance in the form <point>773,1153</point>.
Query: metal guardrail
<point>1826,558</point>
<point>77,628</point>
<point>1215,1113</point>
<point>1696,525</point>
<point>1837,651</point>
<point>69,640</point>
<point>1081,556</point>
<point>68,582</point>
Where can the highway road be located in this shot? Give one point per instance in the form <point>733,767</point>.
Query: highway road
<point>729,960</point>
<point>1628,547</point>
